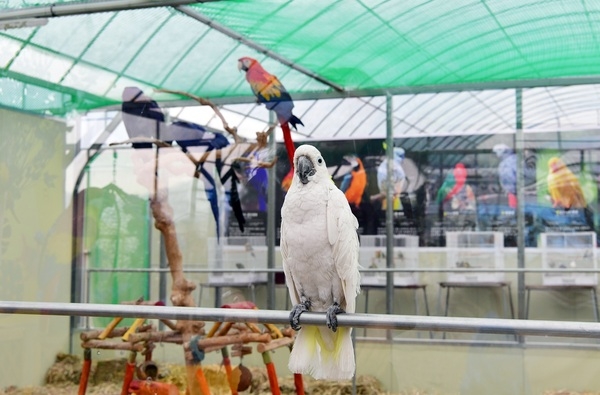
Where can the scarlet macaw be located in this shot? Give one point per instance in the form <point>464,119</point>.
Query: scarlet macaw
<point>269,90</point>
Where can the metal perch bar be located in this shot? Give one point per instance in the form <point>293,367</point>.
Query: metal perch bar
<point>381,321</point>
<point>374,270</point>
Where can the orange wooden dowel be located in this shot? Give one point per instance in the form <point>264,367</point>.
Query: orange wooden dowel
<point>85,371</point>
<point>129,372</point>
<point>299,383</point>
<point>204,388</point>
<point>228,371</point>
<point>273,383</point>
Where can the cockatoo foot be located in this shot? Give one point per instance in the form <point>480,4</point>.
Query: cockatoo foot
<point>297,310</point>
<point>331,314</point>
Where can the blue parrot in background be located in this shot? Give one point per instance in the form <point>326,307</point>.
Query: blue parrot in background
<point>507,172</point>
<point>257,178</point>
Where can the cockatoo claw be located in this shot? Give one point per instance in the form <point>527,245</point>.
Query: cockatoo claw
<point>297,310</point>
<point>331,314</point>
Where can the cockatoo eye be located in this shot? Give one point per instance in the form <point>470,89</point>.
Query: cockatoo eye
<point>320,160</point>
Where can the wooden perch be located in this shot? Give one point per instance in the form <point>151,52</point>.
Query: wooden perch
<point>133,328</point>
<point>170,324</point>
<point>274,344</point>
<point>117,332</point>
<point>159,337</point>
<point>261,137</point>
<point>206,102</point>
<point>227,340</point>
<point>239,350</point>
<point>158,143</point>
<point>225,329</point>
<point>107,345</point>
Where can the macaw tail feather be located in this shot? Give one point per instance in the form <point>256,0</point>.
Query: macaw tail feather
<point>286,183</point>
<point>236,204</point>
<point>211,196</point>
<point>323,354</point>
<point>289,144</point>
<point>294,120</point>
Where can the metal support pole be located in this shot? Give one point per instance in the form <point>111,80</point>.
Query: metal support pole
<point>519,146</point>
<point>163,264</point>
<point>277,317</point>
<point>66,9</point>
<point>389,211</point>
<point>271,226</point>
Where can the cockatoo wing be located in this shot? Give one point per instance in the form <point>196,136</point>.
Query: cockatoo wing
<point>341,231</point>
<point>294,297</point>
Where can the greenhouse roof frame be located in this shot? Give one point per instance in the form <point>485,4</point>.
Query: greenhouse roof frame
<point>89,50</point>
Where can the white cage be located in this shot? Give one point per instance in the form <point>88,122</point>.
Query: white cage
<point>373,256</point>
<point>237,253</point>
<point>576,250</point>
<point>475,250</point>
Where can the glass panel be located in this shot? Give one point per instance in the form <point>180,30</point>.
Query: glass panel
<point>117,199</point>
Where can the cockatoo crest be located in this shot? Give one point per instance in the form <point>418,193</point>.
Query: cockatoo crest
<point>502,150</point>
<point>399,154</point>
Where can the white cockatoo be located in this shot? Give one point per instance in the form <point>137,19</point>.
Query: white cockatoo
<point>319,247</point>
<point>398,176</point>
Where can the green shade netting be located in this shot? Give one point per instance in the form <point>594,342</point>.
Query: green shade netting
<point>86,60</point>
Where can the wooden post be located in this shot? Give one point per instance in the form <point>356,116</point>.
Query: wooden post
<point>202,383</point>
<point>181,291</point>
<point>273,383</point>
<point>299,383</point>
<point>227,364</point>
<point>85,371</point>
<point>129,372</point>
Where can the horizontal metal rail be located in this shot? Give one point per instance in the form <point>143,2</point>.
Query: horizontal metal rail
<point>67,9</point>
<point>375,321</point>
<point>377,270</point>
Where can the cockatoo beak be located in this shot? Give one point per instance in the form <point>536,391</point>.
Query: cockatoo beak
<point>304,168</point>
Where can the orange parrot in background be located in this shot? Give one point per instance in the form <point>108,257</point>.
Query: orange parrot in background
<point>563,186</point>
<point>355,182</point>
<point>269,90</point>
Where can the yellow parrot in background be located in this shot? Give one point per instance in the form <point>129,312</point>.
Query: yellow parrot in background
<point>563,186</point>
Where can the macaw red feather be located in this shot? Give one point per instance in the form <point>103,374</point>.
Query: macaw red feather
<point>291,149</point>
